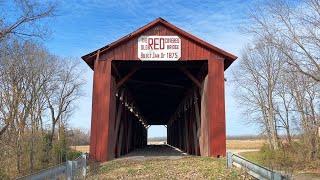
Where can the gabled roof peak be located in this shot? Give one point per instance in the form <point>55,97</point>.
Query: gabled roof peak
<point>88,58</point>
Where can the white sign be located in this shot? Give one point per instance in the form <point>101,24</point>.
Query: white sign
<point>162,48</point>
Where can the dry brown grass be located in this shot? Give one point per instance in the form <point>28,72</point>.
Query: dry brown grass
<point>83,149</point>
<point>231,144</point>
<point>245,144</point>
<point>183,168</point>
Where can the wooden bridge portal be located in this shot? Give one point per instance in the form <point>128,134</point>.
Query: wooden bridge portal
<point>158,75</point>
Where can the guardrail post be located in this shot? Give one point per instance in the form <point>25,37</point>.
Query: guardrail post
<point>69,170</point>
<point>229,159</point>
<point>277,176</point>
<point>84,168</point>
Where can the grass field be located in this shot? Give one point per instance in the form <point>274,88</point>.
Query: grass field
<point>83,149</point>
<point>231,145</point>
<point>245,144</point>
<point>254,157</point>
<point>183,168</point>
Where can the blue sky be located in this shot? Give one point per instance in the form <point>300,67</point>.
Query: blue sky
<point>83,26</point>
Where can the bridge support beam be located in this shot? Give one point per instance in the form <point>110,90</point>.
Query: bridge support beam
<point>103,112</point>
<point>215,106</point>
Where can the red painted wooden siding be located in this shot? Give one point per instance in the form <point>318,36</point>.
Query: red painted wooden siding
<point>212,140</point>
<point>190,50</point>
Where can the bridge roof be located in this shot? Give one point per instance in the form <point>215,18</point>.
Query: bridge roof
<point>89,58</point>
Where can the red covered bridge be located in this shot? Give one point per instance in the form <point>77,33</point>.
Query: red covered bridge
<point>158,75</point>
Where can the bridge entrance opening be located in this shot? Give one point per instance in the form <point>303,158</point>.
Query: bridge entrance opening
<point>157,135</point>
<point>158,93</point>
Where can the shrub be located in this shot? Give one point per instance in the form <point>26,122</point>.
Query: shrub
<point>71,154</point>
<point>288,158</point>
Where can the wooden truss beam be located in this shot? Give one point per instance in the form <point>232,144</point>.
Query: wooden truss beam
<point>158,83</point>
<point>115,69</point>
<point>126,77</point>
<point>190,76</point>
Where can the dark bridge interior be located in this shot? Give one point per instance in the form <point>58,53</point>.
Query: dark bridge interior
<point>159,87</point>
<point>163,93</point>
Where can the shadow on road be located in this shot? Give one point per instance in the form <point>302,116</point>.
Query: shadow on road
<point>155,151</point>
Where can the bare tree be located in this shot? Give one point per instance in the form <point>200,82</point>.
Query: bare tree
<point>305,93</point>
<point>285,109</point>
<point>18,92</point>
<point>27,19</point>
<point>256,80</point>
<point>37,89</point>
<point>293,28</point>
<point>79,137</point>
<point>61,92</point>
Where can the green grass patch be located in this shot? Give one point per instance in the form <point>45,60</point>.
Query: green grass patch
<point>254,156</point>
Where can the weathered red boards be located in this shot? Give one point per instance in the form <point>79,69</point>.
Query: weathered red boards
<point>116,131</point>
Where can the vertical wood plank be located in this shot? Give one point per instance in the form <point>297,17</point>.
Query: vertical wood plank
<point>101,110</point>
<point>216,109</point>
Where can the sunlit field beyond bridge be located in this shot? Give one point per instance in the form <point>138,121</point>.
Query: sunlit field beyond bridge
<point>232,145</point>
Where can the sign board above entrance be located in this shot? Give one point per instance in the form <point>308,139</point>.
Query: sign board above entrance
<point>161,48</point>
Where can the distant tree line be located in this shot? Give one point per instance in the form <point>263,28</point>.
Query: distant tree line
<point>246,137</point>
<point>78,137</point>
<point>157,139</point>
<point>38,91</point>
<point>278,77</point>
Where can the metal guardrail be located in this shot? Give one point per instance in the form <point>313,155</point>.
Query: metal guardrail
<point>76,169</point>
<point>253,169</point>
